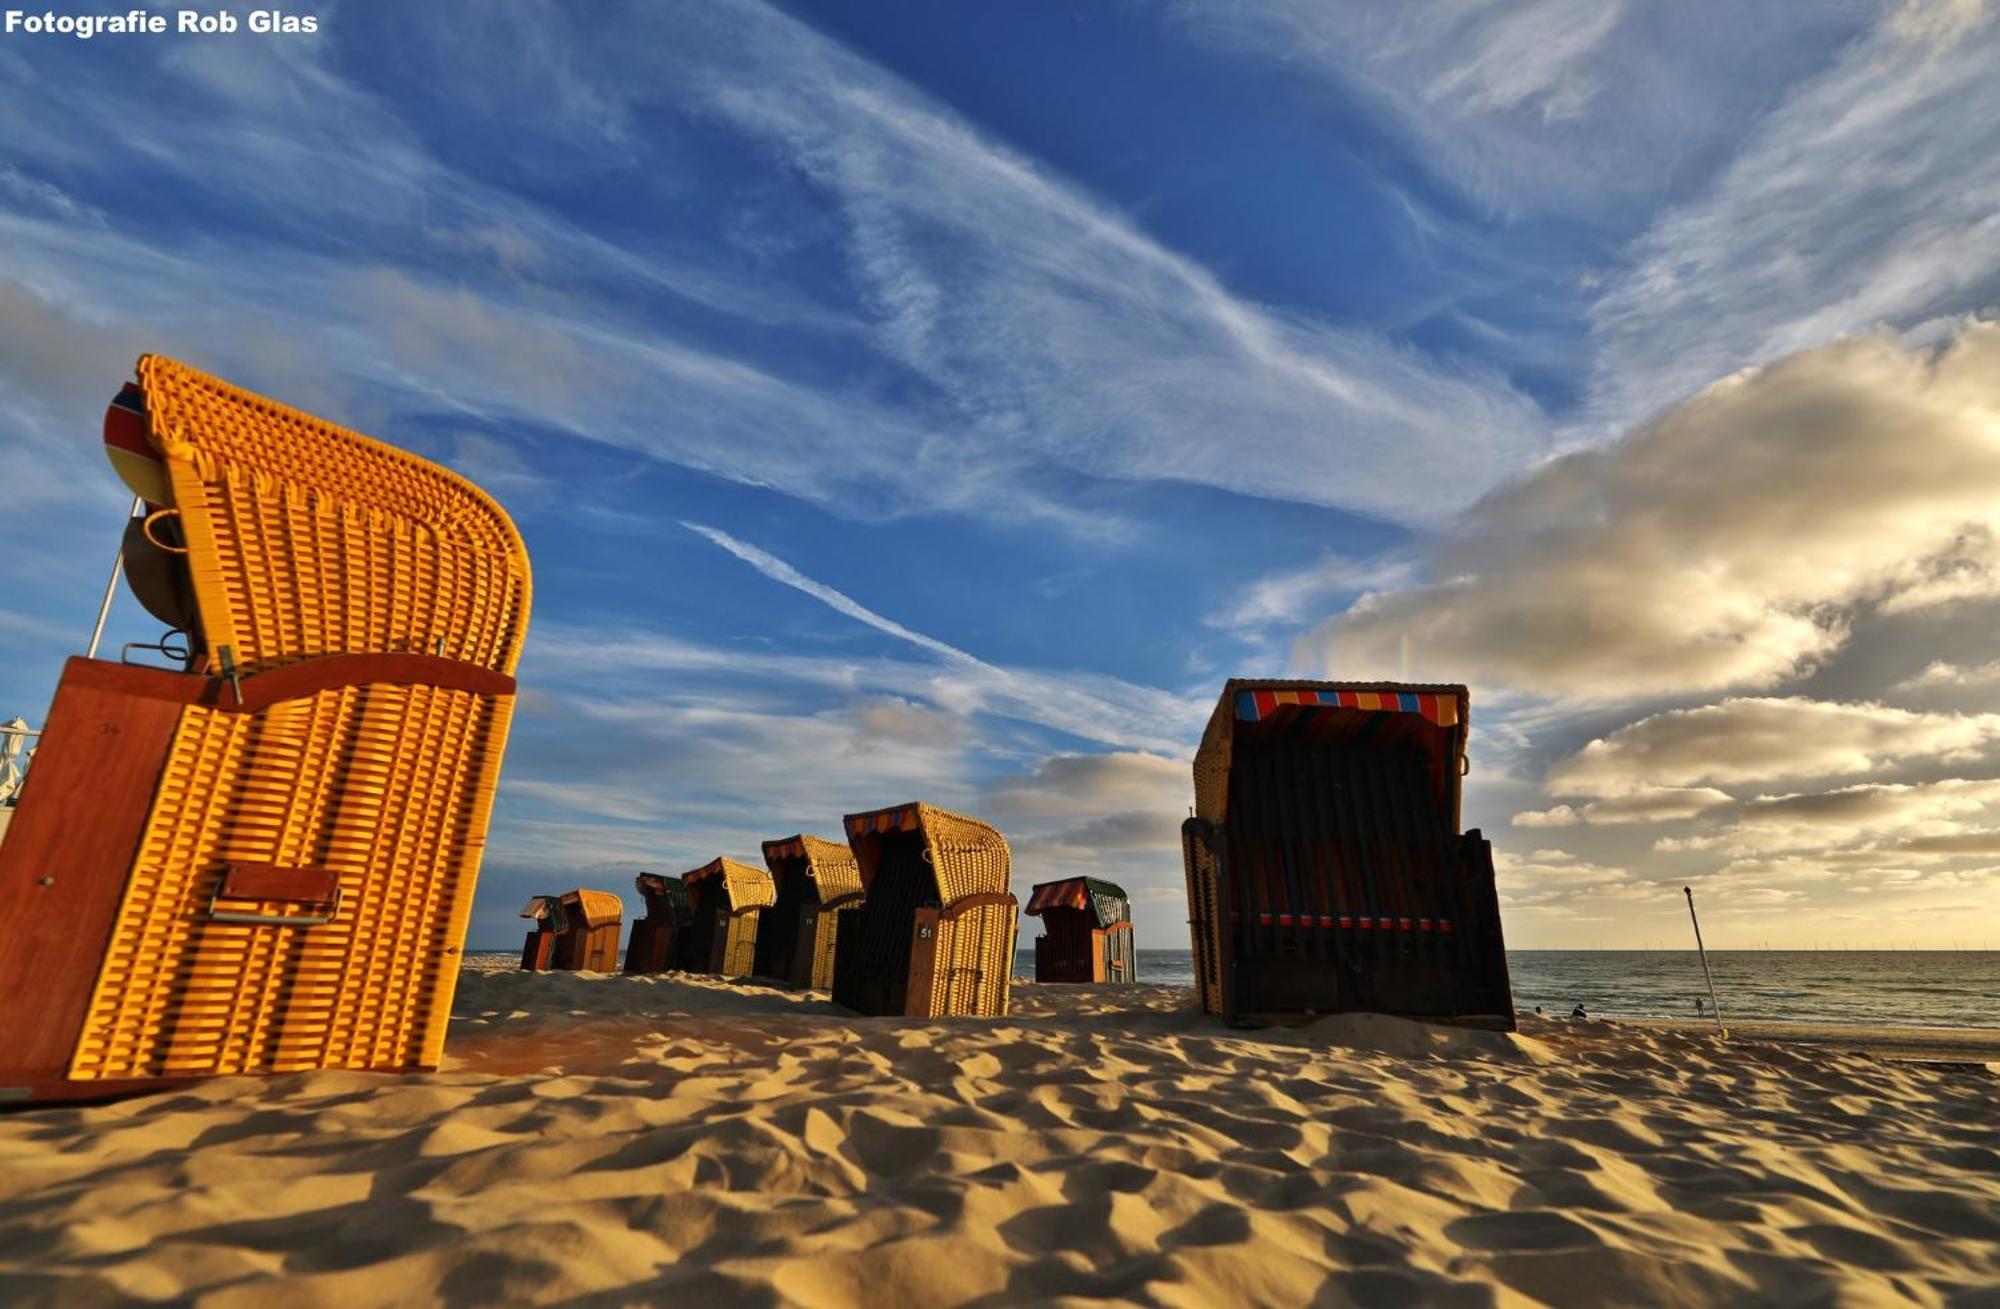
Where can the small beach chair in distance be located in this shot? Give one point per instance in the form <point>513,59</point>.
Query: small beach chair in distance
<point>934,937</point>
<point>1325,867</point>
<point>545,916</point>
<point>264,857</point>
<point>1086,931</point>
<point>575,931</point>
<point>726,901</point>
<point>658,937</point>
<point>818,891</point>
<point>596,919</point>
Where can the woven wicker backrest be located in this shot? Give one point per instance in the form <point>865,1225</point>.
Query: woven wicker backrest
<point>389,786</point>
<point>306,539</point>
<point>831,866</point>
<point>741,886</point>
<point>594,908</point>
<point>375,606</point>
<point>967,857</point>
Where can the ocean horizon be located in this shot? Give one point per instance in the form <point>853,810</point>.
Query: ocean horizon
<point>1899,988</point>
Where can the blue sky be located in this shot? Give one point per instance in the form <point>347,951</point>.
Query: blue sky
<point>910,400</point>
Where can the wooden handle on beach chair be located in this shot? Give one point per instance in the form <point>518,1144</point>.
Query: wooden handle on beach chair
<point>319,886</point>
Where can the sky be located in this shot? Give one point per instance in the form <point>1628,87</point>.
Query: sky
<point>912,401</point>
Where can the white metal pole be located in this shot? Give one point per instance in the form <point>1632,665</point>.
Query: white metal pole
<point>111,586</point>
<point>1701,950</point>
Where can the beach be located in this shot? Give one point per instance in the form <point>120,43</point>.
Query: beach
<point>606,1140</point>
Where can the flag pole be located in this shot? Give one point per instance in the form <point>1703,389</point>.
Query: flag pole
<point>1701,950</point>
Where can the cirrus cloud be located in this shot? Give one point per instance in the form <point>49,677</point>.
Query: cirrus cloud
<point>1728,543</point>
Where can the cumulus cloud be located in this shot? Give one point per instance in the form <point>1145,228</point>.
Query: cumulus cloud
<point>1076,785</point>
<point>1660,805</point>
<point>1875,813</point>
<point>1939,674</point>
<point>1727,543</point>
<point>1747,740</point>
<point>1556,881</point>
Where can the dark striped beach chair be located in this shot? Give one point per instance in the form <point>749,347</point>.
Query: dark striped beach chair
<point>657,938</point>
<point>934,937</point>
<point>726,903</point>
<point>1086,932</point>
<point>818,892</point>
<point>1325,867</point>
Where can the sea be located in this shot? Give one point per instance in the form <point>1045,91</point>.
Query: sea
<point>1901,988</point>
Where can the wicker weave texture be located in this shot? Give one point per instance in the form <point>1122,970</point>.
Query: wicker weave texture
<point>739,946</point>
<point>830,864</point>
<point>826,941</point>
<point>967,856</point>
<point>743,886</point>
<point>307,539</point>
<point>973,972</point>
<point>388,785</point>
<point>595,908</point>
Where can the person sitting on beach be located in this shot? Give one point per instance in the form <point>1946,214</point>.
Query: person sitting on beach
<point>1578,1011</point>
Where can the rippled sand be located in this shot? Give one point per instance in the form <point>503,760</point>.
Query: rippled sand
<point>609,1140</point>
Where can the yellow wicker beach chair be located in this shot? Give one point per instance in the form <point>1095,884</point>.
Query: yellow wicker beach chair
<point>1325,867</point>
<point>818,889</point>
<point>659,937</point>
<point>266,862</point>
<point>934,937</point>
<point>726,900</point>
<point>1086,931</point>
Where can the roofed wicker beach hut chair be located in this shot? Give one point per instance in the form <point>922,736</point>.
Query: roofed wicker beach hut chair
<point>726,901</point>
<point>658,937</point>
<point>576,930</point>
<point>818,892</point>
<point>1325,867</point>
<point>1086,932</point>
<point>263,857</point>
<point>935,934</point>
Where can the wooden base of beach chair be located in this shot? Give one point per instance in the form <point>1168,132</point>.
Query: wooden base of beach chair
<point>206,904</point>
<point>653,948</point>
<point>588,949</point>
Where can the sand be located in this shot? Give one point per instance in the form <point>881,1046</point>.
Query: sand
<point>609,1140</point>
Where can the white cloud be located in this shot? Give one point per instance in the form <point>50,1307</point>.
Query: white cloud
<point>1659,805</point>
<point>1054,324</point>
<point>1093,707</point>
<point>1007,324</point>
<point>1940,674</point>
<point>1824,821</point>
<point>1727,543</point>
<point>1765,740</point>
<point>1575,107</point>
<point>1299,594</point>
<point>1870,196</point>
